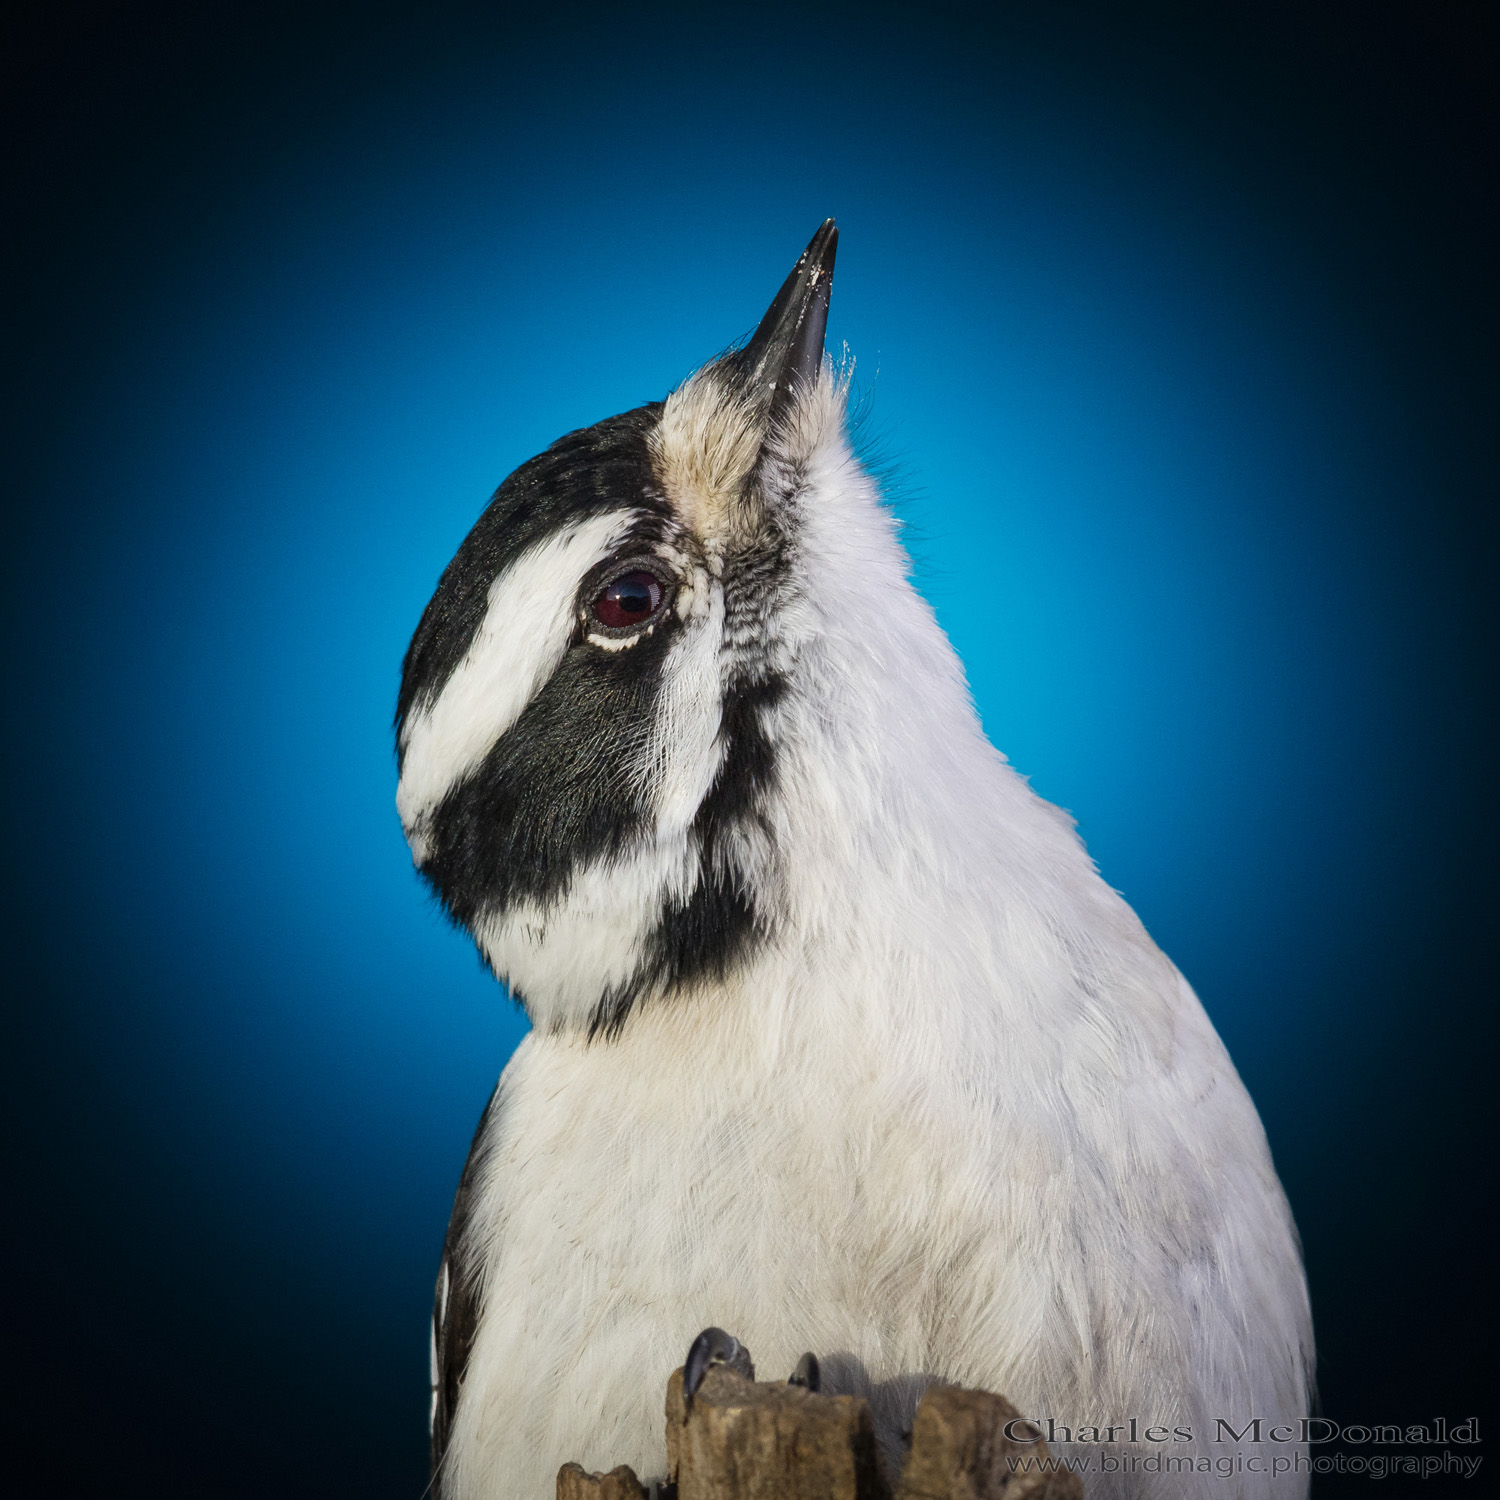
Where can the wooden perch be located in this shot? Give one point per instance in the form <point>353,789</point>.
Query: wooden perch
<point>959,1451</point>
<point>747,1441</point>
<point>576,1483</point>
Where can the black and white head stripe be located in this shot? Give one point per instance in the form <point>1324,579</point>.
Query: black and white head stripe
<point>585,729</point>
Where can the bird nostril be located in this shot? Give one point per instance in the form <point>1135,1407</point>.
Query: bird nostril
<point>628,600</point>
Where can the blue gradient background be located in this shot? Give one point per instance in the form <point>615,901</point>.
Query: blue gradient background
<point>1173,332</point>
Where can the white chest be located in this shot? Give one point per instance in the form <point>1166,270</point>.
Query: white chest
<point>856,1201</point>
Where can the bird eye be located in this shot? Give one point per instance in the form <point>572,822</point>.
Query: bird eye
<point>631,599</point>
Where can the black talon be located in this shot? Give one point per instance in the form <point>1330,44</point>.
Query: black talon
<point>713,1347</point>
<point>806,1374</point>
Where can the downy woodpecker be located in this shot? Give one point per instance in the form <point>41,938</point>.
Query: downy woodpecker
<point>838,1041</point>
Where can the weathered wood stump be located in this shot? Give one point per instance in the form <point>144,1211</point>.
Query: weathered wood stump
<point>575,1483</point>
<point>960,1451</point>
<point>748,1441</point>
<point>743,1440</point>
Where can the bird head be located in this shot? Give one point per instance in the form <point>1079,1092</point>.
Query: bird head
<point>656,651</point>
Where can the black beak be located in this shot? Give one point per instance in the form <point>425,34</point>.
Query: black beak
<point>787,348</point>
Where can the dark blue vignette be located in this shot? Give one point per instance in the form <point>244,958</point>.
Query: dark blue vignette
<point>1171,331</point>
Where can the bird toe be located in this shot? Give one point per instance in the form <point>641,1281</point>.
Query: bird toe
<point>807,1373</point>
<point>713,1347</point>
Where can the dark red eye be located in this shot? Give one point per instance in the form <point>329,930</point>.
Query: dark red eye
<point>629,599</point>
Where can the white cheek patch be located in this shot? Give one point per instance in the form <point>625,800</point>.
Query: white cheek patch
<point>526,628</point>
<point>684,752</point>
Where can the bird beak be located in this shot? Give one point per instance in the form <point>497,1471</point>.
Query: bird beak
<point>787,349</point>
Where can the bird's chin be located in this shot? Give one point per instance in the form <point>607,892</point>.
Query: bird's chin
<point>576,960</point>
<point>564,972</point>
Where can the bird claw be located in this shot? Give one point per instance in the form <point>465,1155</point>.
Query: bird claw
<point>807,1373</point>
<point>713,1347</point>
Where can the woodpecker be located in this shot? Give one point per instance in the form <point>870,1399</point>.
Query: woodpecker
<point>838,1040</point>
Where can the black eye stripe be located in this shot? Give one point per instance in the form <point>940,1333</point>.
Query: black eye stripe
<point>552,795</point>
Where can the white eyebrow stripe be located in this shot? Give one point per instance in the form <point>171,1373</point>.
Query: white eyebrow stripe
<point>526,627</point>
